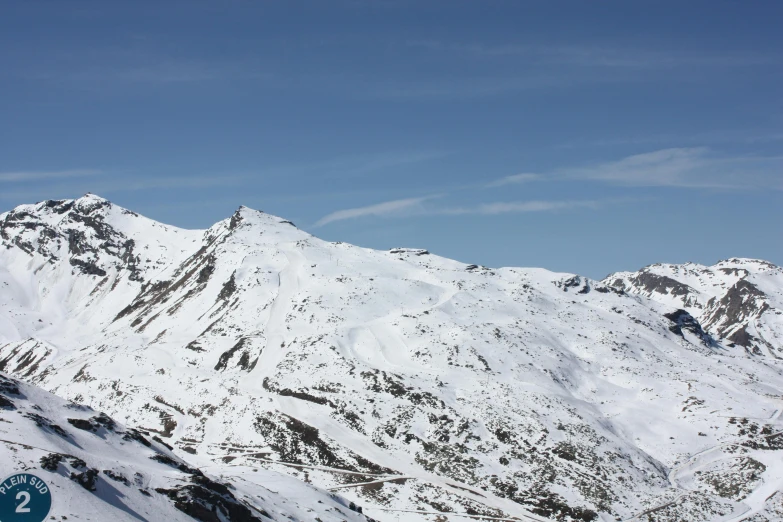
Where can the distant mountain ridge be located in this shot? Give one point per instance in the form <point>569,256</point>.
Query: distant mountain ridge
<point>407,382</point>
<point>736,300</point>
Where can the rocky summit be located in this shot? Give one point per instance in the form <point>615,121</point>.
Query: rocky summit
<point>284,376</point>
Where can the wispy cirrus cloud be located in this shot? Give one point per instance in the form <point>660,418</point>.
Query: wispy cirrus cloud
<point>681,140</point>
<point>416,207</point>
<point>599,56</point>
<point>397,207</point>
<point>456,88</point>
<point>137,64</point>
<point>22,176</point>
<point>518,207</point>
<point>683,167</point>
<point>505,68</point>
<point>516,179</point>
<point>695,167</point>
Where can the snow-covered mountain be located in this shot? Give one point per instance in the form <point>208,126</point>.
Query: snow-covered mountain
<point>407,382</point>
<point>739,301</point>
<point>99,470</point>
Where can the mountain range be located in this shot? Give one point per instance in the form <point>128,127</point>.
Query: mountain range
<point>409,384</point>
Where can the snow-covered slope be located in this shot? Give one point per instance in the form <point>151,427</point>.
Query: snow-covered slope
<point>99,470</point>
<point>408,382</point>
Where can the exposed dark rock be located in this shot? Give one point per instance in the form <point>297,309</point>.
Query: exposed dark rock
<point>730,315</point>
<point>45,424</point>
<point>210,501</point>
<point>162,443</point>
<point>76,462</point>
<point>414,251</point>
<point>304,396</point>
<point>741,337</point>
<point>229,287</point>
<point>88,268</point>
<point>195,346</point>
<point>76,242</point>
<point>601,289</point>
<point>543,502</point>
<point>226,356</point>
<point>245,363</point>
<point>117,477</point>
<point>684,320</point>
<point>86,479</point>
<point>236,219</point>
<point>165,459</point>
<point>651,282</point>
<point>82,424</point>
<point>736,482</point>
<point>206,272</point>
<point>131,261</point>
<point>9,387</point>
<point>135,435</point>
<point>299,443</point>
<point>51,461</point>
<point>60,206</point>
<point>93,424</point>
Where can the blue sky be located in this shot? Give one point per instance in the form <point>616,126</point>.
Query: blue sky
<point>579,136</point>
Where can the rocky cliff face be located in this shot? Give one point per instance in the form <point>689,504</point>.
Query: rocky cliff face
<point>408,382</point>
<point>738,301</point>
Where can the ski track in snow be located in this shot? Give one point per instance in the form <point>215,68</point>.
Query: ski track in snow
<point>275,329</point>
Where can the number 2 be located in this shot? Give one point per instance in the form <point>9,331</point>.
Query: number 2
<point>21,507</point>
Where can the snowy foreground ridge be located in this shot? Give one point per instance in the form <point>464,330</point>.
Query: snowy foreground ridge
<point>100,470</point>
<point>280,368</point>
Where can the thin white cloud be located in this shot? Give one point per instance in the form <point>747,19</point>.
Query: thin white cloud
<point>661,167</point>
<point>683,167</point>
<point>695,167</point>
<point>600,57</point>
<point>37,175</point>
<point>516,179</point>
<point>517,207</point>
<point>415,207</point>
<point>443,88</point>
<point>398,207</point>
<point>722,136</point>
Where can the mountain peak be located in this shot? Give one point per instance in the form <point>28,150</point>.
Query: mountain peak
<point>89,203</point>
<point>89,196</point>
<point>246,216</point>
<point>745,261</point>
